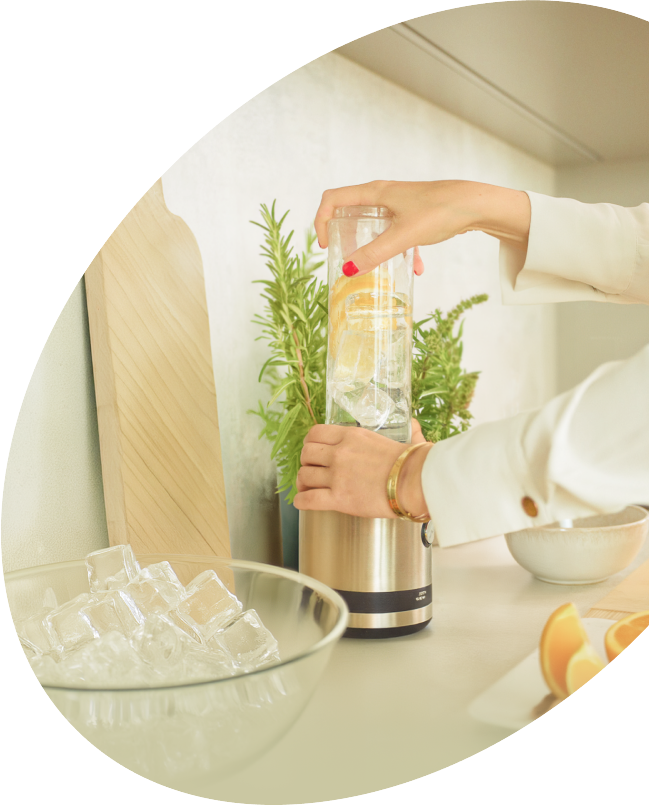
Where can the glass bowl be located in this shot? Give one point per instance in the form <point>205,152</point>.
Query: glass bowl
<point>177,735</point>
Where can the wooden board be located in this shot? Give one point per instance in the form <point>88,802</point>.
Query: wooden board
<point>631,595</point>
<point>156,401</point>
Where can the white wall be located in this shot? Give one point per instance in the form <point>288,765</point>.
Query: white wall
<point>53,507</point>
<point>333,123</point>
<point>328,124</point>
<point>589,333</point>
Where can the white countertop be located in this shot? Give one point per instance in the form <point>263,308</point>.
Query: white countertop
<point>390,711</point>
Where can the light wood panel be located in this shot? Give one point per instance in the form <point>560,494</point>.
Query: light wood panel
<point>156,401</point>
<point>631,595</point>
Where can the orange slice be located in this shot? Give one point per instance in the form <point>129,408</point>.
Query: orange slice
<point>582,666</point>
<point>377,281</point>
<point>624,632</point>
<point>563,636</point>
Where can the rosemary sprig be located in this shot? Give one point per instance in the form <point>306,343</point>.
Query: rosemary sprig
<point>295,325</point>
<point>441,390</point>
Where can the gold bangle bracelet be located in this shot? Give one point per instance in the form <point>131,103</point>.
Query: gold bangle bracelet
<point>393,480</point>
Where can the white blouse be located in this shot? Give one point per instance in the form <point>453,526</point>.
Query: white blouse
<point>587,451</point>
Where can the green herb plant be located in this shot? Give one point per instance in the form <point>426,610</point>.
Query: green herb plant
<point>441,390</point>
<point>294,323</point>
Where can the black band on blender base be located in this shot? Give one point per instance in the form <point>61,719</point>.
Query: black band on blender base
<point>379,634</point>
<point>376,603</point>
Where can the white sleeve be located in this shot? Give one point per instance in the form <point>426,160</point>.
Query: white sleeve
<point>576,251</point>
<point>587,451</point>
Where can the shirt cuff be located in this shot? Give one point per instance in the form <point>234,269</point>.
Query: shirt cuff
<point>479,484</point>
<point>474,483</point>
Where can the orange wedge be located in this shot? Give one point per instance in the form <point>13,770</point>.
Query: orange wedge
<point>563,636</point>
<point>624,632</point>
<point>582,666</point>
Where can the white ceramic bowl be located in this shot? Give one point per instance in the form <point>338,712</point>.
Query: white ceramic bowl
<point>593,549</point>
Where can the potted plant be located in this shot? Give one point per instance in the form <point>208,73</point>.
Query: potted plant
<point>294,323</point>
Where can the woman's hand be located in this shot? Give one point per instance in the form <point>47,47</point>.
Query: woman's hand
<point>346,469</point>
<point>427,213</point>
<point>417,435</point>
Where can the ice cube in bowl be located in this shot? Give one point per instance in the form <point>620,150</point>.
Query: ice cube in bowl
<point>109,565</point>
<point>185,733</point>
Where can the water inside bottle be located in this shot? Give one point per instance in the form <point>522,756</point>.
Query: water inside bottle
<point>370,376</point>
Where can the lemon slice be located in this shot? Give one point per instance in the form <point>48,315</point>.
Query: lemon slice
<point>375,282</point>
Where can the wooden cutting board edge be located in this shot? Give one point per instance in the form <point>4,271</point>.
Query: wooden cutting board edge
<point>631,595</point>
<point>141,256</point>
<point>105,396</point>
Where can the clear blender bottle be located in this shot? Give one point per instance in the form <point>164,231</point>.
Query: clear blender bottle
<point>370,330</point>
<point>380,566</point>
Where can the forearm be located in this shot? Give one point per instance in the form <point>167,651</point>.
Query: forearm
<point>503,213</point>
<point>581,454</point>
<point>425,213</point>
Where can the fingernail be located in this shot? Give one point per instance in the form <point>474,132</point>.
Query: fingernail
<point>320,245</point>
<point>349,269</point>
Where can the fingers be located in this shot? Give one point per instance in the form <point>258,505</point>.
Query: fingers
<point>363,194</point>
<point>396,240</point>
<point>354,480</point>
<point>314,500</point>
<point>313,478</point>
<point>325,434</point>
<point>417,435</point>
<point>315,454</point>
<point>417,263</point>
<point>388,245</point>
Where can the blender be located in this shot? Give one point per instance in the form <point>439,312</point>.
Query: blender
<point>380,566</point>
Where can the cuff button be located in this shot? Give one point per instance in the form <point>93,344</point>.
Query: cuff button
<point>529,507</point>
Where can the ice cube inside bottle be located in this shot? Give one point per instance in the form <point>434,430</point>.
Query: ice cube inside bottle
<point>370,361</point>
<point>354,363</point>
<point>392,359</point>
<point>370,406</point>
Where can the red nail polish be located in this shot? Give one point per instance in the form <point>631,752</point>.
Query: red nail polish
<point>349,269</point>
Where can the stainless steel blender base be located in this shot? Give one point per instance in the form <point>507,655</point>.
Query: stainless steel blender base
<point>381,567</point>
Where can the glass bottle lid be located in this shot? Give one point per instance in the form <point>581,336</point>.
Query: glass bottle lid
<point>362,212</point>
